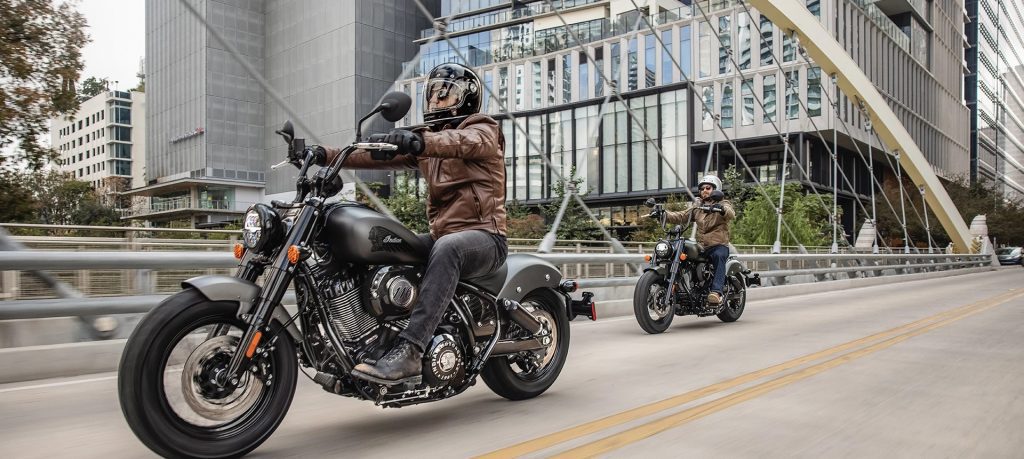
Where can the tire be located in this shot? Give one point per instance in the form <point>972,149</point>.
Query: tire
<point>143,376</point>
<point>500,375</point>
<point>734,308</point>
<point>651,288</point>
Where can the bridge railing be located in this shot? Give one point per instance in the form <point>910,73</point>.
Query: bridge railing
<point>128,282</point>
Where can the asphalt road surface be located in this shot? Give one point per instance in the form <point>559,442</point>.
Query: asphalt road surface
<point>931,368</point>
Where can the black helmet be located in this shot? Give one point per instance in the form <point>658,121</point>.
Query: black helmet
<point>454,81</point>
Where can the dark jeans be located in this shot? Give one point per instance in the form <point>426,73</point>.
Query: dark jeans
<point>455,256</point>
<point>718,255</point>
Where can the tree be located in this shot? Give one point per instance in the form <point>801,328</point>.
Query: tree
<point>807,218</point>
<point>17,203</point>
<point>92,86</point>
<point>650,229</point>
<point>40,61</point>
<point>522,223</point>
<point>575,224</point>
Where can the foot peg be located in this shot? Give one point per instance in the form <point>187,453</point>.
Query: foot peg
<point>521,316</point>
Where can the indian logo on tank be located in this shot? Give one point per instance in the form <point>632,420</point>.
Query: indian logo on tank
<point>383,240</point>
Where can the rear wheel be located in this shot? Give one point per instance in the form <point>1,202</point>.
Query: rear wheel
<point>649,307</point>
<point>735,297</point>
<point>168,388</point>
<point>530,373</point>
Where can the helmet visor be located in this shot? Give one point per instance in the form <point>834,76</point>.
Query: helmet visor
<point>443,94</point>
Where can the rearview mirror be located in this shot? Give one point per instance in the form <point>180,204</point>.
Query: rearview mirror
<point>650,202</point>
<point>287,131</point>
<point>395,105</point>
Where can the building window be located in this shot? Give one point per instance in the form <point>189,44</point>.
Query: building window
<point>725,50</point>
<point>650,61</point>
<point>631,58</point>
<point>502,88</point>
<point>614,154</point>
<point>768,89</point>
<point>598,70</point>
<point>537,84</point>
<point>743,35</point>
<point>747,93</point>
<point>708,118</point>
<point>814,91</point>
<point>489,91</point>
<point>419,100</point>
<point>643,150</point>
<point>584,86</point>
<point>793,94</point>
<point>704,50</point>
<point>552,88</point>
<point>538,188</point>
<point>567,78</point>
<point>814,6</point>
<point>767,39</point>
<point>667,67</point>
<point>788,48</point>
<point>616,65</point>
<point>520,86</point>
<point>685,53</point>
<point>727,105</point>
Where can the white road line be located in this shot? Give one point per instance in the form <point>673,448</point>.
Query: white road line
<point>58,384</point>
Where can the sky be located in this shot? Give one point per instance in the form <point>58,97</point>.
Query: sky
<point>118,32</point>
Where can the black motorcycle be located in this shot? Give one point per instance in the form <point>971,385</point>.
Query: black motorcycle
<point>212,370</point>
<point>678,280</point>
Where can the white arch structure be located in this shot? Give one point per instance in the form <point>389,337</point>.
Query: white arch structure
<point>792,15</point>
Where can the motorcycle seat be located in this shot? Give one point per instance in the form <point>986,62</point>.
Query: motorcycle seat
<point>490,283</point>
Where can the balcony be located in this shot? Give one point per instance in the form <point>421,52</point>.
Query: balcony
<point>500,17</point>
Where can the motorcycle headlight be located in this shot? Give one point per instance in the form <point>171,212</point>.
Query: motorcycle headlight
<point>661,249</point>
<point>261,228</point>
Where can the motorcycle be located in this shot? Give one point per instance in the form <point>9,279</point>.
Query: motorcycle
<point>678,279</point>
<point>212,370</point>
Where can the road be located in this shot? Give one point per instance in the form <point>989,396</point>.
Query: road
<point>923,369</point>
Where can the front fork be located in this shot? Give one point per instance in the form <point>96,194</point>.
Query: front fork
<point>280,273</point>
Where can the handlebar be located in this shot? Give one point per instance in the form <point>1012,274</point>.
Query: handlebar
<point>379,146</point>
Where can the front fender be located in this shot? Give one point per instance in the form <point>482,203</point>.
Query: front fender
<point>227,288</point>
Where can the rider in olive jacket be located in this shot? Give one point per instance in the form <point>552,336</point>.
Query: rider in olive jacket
<point>712,228</point>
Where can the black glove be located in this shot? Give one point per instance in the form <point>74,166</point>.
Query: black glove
<point>718,208</point>
<point>319,155</point>
<point>716,195</point>
<point>408,142</point>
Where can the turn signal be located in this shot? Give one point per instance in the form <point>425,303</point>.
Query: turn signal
<point>252,344</point>
<point>682,257</point>
<point>239,251</point>
<point>295,254</point>
<point>647,258</point>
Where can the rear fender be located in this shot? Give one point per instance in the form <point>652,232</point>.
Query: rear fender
<point>527,273</point>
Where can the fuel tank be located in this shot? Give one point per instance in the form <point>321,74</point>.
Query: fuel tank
<point>357,234</point>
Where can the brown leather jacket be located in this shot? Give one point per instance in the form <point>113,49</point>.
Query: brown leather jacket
<point>712,227</point>
<point>465,172</point>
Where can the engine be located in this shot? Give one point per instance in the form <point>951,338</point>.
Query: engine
<point>391,291</point>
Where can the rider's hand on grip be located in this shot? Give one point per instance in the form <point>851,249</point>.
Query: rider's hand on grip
<point>319,155</point>
<point>377,138</point>
<point>718,208</point>
<point>408,142</point>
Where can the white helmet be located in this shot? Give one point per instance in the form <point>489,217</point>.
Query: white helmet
<point>710,180</point>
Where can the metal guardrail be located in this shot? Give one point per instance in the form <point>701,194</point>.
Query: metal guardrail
<point>780,268</point>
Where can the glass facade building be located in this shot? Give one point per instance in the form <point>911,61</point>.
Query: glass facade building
<point>994,89</point>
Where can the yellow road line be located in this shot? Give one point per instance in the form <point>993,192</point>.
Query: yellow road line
<point>668,422</point>
<point>598,425</point>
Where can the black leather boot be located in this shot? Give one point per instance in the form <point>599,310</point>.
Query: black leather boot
<point>402,364</point>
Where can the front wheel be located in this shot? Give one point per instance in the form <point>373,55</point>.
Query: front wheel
<point>735,297</point>
<point>530,373</point>
<point>653,315</point>
<point>168,387</point>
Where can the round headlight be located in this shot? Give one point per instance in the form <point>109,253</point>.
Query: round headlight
<point>661,249</point>
<point>261,228</point>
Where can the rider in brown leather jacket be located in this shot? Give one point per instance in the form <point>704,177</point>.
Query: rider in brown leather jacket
<point>460,153</point>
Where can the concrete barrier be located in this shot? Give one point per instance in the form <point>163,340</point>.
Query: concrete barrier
<point>73,359</point>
